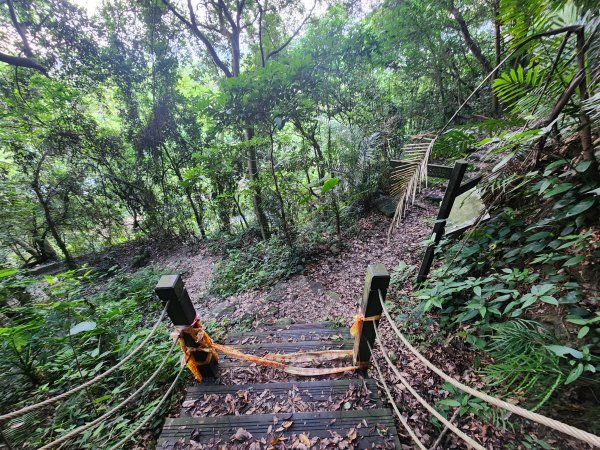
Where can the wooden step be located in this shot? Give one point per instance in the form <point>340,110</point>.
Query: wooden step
<point>262,349</point>
<point>336,411</point>
<point>212,399</point>
<point>297,326</point>
<point>372,428</point>
<point>298,334</point>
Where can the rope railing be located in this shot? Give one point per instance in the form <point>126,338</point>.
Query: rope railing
<point>422,401</point>
<point>152,413</point>
<point>96,379</point>
<point>403,421</point>
<point>70,435</point>
<point>582,435</point>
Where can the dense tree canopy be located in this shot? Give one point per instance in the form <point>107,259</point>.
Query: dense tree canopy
<point>201,117</point>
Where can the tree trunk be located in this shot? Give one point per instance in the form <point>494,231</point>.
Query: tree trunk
<point>498,54</point>
<point>286,231</point>
<point>585,132</point>
<point>239,210</point>
<point>188,194</point>
<point>471,44</point>
<point>222,210</point>
<point>52,227</point>
<point>314,142</point>
<point>261,219</point>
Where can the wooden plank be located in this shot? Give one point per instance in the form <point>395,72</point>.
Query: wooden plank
<point>377,280</point>
<point>293,326</point>
<point>370,426</point>
<point>197,390</point>
<point>438,171</point>
<point>292,332</point>
<point>282,347</point>
<point>438,229</point>
<point>285,335</point>
<point>470,184</point>
<point>291,347</point>
<point>309,391</point>
<point>433,170</point>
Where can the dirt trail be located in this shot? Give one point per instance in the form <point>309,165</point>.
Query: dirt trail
<point>197,269</point>
<point>330,287</point>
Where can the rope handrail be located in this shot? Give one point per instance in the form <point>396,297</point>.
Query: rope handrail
<point>152,413</point>
<point>423,402</point>
<point>36,406</point>
<point>582,435</point>
<point>114,410</point>
<point>395,407</point>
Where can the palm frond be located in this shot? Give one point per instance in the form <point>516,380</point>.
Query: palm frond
<point>408,176</point>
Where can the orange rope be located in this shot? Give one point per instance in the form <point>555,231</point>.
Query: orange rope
<point>205,345</point>
<point>359,319</point>
<point>276,361</point>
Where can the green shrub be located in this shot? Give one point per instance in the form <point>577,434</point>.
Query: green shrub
<point>255,266</point>
<point>531,260</point>
<point>49,347</point>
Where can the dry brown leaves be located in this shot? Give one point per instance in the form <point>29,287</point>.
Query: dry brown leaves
<point>247,402</point>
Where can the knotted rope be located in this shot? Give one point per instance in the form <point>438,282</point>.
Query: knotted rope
<point>205,350</point>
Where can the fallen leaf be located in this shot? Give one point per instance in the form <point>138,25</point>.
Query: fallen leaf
<point>304,439</point>
<point>241,435</point>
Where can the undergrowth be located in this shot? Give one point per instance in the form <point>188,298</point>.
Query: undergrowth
<point>250,263</point>
<point>254,266</point>
<point>51,345</point>
<point>522,288</point>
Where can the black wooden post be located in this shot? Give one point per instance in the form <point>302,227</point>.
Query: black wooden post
<point>181,311</point>
<point>450,195</point>
<point>377,279</point>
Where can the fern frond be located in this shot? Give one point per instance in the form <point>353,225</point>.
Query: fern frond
<point>522,367</point>
<point>408,176</point>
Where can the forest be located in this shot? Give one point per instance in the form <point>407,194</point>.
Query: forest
<point>252,146</point>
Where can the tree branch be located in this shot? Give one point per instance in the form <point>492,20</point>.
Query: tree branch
<point>223,7</point>
<point>200,35</point>
<point>19,61</point>
<point>291,38</point>
<point>260,35</point>
<point>19,28</point>
<point>240,9</point>
<point>473,46</point>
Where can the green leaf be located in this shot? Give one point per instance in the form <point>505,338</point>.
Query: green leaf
<point>82,327</point>
<point>549,299</point>
<point>7,272</point>
<point>449,402</point>
<point>583,166</point>
<point>529,300</point>
<point>550,167</point>
<point>103,398</point>
<point>580,207</point>
<point>578,321</point>
<point>582,333</point>
<point>575,373</point>
<point>563,187</point>
<point>574,260</point>
<point>329,184</point>
<point>561,350</point>
<point>477,290</point>
<point>538,236</point>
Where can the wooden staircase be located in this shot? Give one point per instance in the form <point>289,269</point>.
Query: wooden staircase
<point>275,410</point>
